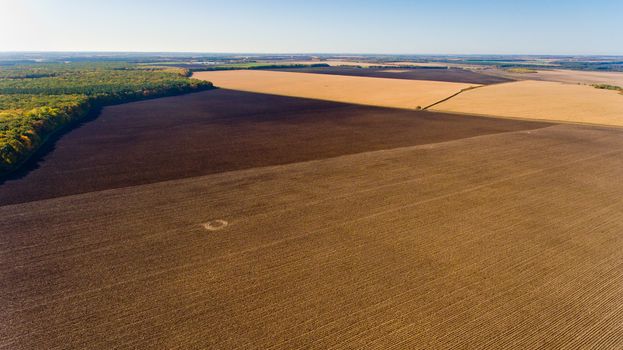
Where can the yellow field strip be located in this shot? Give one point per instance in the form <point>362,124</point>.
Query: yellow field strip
<point>396,93</point>
<point>571,76</point>
<point>540,100</point>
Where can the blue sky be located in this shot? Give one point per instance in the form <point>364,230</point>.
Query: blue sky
<point>409,27</point>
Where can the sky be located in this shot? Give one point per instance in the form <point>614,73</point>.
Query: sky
<point>569,27</point>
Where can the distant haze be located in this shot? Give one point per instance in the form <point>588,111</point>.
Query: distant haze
<point>321,26</point>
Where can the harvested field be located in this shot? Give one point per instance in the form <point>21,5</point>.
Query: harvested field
<point>449,75</point>
<point>508,240</point>
<point>568,76</point>
<point>398,93</point>
<point>540,100</point>
<point>221,130</point>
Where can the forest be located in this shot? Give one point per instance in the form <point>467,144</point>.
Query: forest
<point>39,100</point>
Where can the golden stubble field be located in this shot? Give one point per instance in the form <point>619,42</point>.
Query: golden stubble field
<point>541,100</point>
<point>397,93</point>
<point>568,76</point>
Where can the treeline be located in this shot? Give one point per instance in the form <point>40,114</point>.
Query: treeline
<point>608,66</point>
<point>37,101</point>
<point>521,70</point>
<point>608,87</point>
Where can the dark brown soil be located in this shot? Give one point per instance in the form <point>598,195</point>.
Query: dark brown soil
<point>501,241</point>
<point>452,75</point>
<point>220,130</point>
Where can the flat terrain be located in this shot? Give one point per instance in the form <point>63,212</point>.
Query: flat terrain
<point>346,63</point>
<point>449,75</point>
<point>506,240</point>
<point>567,76</point>
<point>223,130</point>
<point>398,93</point>
<point>333,63</point>
<point>418,64</point>
<point>541,100</point>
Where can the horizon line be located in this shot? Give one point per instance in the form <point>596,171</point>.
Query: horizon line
<point>304,53</point>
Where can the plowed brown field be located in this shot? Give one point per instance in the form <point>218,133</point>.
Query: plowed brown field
<point>509,240</point>
<point>223,130</point>
<point>451,75</point>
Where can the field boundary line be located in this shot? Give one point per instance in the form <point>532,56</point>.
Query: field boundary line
<point>453,95</point>
<point>468,89</point>
<point>526,119</point>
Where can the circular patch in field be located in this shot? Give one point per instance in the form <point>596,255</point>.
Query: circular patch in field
<point>215,225</point>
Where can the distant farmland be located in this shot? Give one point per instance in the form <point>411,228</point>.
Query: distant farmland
<point>454,75</point>
<point>570,76</point>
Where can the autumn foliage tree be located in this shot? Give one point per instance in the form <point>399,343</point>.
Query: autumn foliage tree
<point>38,100</point>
